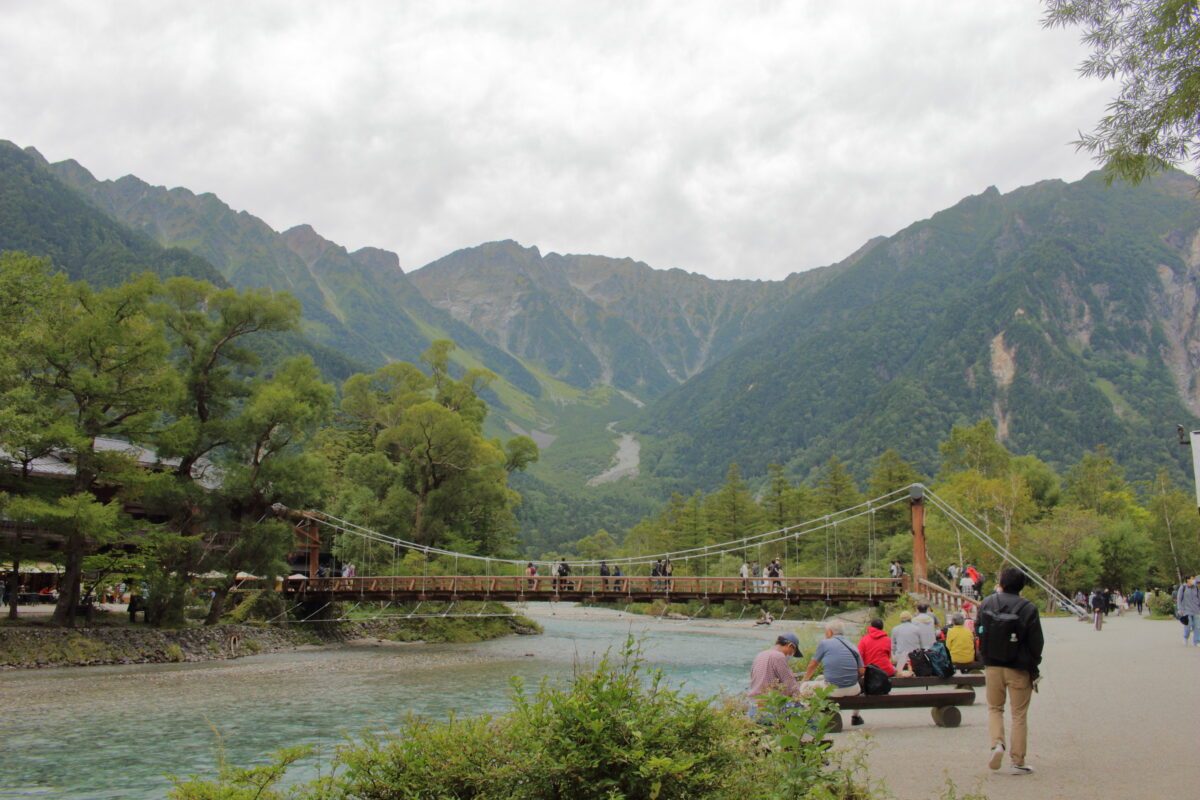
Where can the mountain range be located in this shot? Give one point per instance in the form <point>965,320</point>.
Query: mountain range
<point>1066,312</point>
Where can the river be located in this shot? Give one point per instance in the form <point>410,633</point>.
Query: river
<point>117,732</point>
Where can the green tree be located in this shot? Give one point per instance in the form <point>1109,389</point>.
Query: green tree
<point>106,366</point>
<point>1174,529</point>
<point>1125,555</point>
<point>1153,48</point>
<point>1055,544</point>
<point>846,544</point>
<point>446,484</point>
<point>235,437</point>
<point>974,448</point>
<point>731,511</point>
<point>1098,483</point>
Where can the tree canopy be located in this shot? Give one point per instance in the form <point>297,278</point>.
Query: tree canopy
<point>1153,48</point>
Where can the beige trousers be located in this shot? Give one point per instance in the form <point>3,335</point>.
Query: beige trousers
<point>1014,685</point>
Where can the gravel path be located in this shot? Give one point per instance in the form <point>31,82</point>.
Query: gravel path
<point>1098,728</point>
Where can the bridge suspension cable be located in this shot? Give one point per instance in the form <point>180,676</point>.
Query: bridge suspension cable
<point>867,507</point>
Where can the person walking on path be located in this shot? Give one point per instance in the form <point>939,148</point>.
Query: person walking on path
<point>1187,604</point>
<point>1010,643</point>
<point>1097,604</point>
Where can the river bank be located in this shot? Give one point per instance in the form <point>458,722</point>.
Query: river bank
<point>36,644</point>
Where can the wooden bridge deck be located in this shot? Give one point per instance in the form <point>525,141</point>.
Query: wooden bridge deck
<point>520,588</point>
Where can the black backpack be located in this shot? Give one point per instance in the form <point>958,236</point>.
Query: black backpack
<point>876,681</point>
<point>1000,633</point>
<point>921,663</point>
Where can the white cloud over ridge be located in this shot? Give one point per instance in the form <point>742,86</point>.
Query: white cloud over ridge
<point>738,140</point>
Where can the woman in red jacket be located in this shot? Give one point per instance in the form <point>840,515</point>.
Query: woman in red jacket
<point>876,647</point>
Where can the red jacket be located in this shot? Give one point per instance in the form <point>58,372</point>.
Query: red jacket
<point>876,648</point>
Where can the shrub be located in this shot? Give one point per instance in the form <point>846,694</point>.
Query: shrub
<point>615,731</point>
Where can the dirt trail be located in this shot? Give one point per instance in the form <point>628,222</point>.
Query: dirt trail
<point>1115,717</point>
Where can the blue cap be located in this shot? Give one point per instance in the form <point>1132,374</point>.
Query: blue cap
<point>793,640</point>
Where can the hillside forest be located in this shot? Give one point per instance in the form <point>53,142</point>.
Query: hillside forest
<point>181,443</point>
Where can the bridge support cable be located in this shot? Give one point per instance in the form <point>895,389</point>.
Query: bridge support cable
<point>957,516</point>
<point>735,546</point>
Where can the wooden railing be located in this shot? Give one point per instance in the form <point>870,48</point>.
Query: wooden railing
<point>594,587</point>
<point>941,596</point>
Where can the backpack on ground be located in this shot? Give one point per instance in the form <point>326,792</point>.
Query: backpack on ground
<point>1000,634</point>
<point>876,681</point>
<point>939,658</point>
<point>920,663</point>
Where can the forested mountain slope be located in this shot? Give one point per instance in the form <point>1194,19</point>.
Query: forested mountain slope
<point>42,216</point>
<point>359,303</point>
<point>593,320</point>
<point>1067,313</point>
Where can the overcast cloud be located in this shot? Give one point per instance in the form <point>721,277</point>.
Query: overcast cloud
<point>738,140</point>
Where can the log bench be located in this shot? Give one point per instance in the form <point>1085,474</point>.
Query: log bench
<point>943,705</point>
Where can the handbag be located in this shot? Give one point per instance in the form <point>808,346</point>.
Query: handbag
<point>876,681</point>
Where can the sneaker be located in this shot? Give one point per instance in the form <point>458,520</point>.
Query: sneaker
<point>997,757</point>
<point>1021,769</point>
<point>856,720</point>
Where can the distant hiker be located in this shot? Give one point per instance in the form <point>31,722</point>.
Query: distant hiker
<point>531,571</point>
<point>895,570</point>
<point>966,585</point>
<point>1138,598</point>
<point>564,571</point>
<point>655,574</point>
<point>618,574</point>
<point>667,572</point>
<point>952,571</point>
<point>1187,605</point>
<point>1010,643</point>
<point>756,571</point>
<point>976,579</point>
<point>604,573</point>
<point>1097,603</point>
<point>745,573</point>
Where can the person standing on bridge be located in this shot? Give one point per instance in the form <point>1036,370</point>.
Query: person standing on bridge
<point>1010,644</point>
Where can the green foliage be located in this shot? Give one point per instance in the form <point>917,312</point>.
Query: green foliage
<point>1152,48</point>
<point>616,730</point>
<point>410,459</point>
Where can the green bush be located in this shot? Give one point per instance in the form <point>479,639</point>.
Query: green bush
<point>1161,605</point>
<point>616,731</point>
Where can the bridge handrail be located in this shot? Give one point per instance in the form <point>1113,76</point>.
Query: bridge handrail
<point>487,584</point>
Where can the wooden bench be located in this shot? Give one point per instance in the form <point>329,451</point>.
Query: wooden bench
<point>961,681</point>
<point>943,705</point>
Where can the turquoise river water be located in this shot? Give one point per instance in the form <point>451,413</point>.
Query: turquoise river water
<point>118,732</point>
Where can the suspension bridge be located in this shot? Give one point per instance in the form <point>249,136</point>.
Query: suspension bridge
<point>498,583</point>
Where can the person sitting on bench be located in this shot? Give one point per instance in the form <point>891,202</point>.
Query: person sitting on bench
<point>770,672</point>
<point>843,667</point>
<point>875,647</point>
<point>960,642</point>
<point>906,637</point>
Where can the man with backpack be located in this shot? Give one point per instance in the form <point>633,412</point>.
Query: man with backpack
<point>1010,644</point>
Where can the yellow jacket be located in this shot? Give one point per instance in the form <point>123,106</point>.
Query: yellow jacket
<point>961,644</point>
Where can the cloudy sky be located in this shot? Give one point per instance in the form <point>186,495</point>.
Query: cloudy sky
<point>733,139</point>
